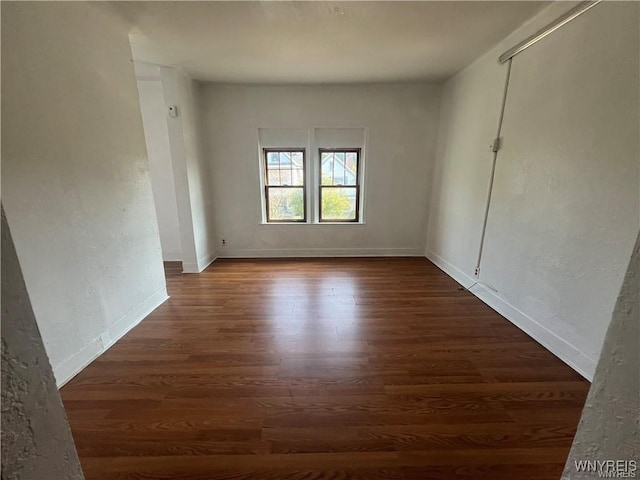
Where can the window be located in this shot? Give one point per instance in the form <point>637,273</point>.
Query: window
<point>339,188</point>
<point>285,190</point>
<point>311,175</point>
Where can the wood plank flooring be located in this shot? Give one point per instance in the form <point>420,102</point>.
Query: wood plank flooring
<point>324,369</point>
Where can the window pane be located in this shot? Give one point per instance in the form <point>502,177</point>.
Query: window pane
<point>297,160</point>
<point>286,203</point>
<point>285,169</point>
<point>338,203</point>
<point>327,168</point>
<point>352,160</point>
<point>272,160</point>
<point>350,177</point>
<point>351,168</point>
<point>338,172</point>
<point>297,177</point>
<point>285,177</point>
<point>273,177</point>
<point>338,168</point>
<point>285,159</point>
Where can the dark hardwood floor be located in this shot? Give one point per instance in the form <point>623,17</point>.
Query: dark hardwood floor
<point>324,368</point>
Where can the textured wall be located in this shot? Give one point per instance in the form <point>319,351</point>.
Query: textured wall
<point>36,440</point>
<point>75,180</point>
<point>610,424</point>
<point>564,209</point>
<point>469,115</point>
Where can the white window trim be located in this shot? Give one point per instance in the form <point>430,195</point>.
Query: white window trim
<point>312,177</point>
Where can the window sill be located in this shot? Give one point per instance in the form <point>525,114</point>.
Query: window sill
<point>311,224</point>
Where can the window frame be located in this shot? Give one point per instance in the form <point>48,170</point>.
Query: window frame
<point>358,152</point>
<point>265,152</point>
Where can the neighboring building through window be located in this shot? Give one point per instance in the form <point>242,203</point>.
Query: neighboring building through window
<point>285,189</point>
<point>339,190</point>
<point>312,175</point>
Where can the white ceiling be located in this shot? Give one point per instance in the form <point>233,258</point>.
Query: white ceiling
<point>320,42</point>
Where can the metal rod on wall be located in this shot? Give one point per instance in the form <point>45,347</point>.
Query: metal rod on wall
<point>552,27</point>
<point>508,57</point>
<point>495,148</point>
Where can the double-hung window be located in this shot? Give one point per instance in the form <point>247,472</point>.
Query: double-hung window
<point>284,185</point>
<point>339,189</point>
<point>312,184</point>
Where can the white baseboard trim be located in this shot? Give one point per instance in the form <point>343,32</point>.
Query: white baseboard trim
<point>320,252</point>
<point>203,262</point>
<point>561,348</point>
<point>171,256</point>
<point>74,365</point>
<point>190,267</point>
<point>454,272</point>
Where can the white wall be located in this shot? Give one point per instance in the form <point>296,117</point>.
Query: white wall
<point>190,169</point>
<point>608,428</point>
<point>401,125</point>
<point>154,119</point>
<point>564,212</point>
<point>75,178</point>
<point>36,438</point>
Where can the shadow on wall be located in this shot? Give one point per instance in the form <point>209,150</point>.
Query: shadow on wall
<point>36,440</point>
<point>608,438</point>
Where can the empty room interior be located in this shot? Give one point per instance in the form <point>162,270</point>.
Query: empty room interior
<point>320,240</point>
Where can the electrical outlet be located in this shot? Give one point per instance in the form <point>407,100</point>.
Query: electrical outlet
<point>224,242</point>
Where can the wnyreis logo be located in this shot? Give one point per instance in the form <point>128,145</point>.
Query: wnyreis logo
<point>608,468</point>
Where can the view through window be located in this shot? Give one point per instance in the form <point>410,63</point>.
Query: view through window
<point>336,193</point>
<point>285,190</point>
<point>339,185</point>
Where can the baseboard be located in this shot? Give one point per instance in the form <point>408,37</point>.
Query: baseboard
<point>454,272</point>
<point>74,365</point>
<point>171,256</point>
<point>561,348</point>
<point>320,252</point>
<point>203,262</point>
